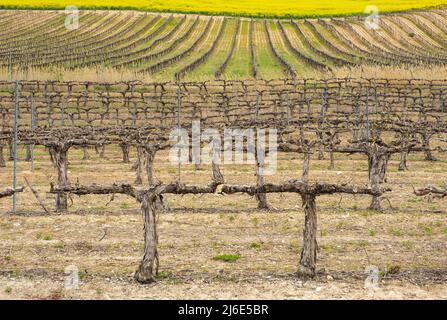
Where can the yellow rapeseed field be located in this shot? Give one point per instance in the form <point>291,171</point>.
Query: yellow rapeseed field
<point>254,8</point>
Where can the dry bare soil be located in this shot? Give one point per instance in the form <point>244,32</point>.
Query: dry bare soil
<point>104,240</point>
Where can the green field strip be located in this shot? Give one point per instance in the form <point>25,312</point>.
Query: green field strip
<point>203,46</point>
<point>184,45</point>
<point>207,69</point>
<point>239,66</point>
<point>268,66</point>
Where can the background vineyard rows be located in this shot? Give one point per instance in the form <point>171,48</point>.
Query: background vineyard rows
<point>189,47</point>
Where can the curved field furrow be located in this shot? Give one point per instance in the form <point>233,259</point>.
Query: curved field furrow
<point>424,37</point>
<point>430,29</point>
<point>36,28</point>
<point>418,37</point>
<point>204,70</point>
<point>69,38</point>
<point>302,63</point>
<point>162,46</point>
<point>23,27</point>
<point>167,36</point>
<point>208,68</point>
<point>333,47</point>
<point>190,67</point>
<point>438,20</point>
<point>98,48</point>
<point>166,62</point>
<point>114,50</point>
<point>357,42</point>
<point>106,35</point>
<point>360,39</point>
<point>18,45</point>
<point>315,51</point>
<point>138,60</point>
<point>373,43</point>
<point>386,41</point>
<point>48,41</point>
<point>27,51</point>
<point>145,51</point>
<point>407,40</point>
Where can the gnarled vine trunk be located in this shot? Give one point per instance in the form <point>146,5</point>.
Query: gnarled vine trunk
<point>426,144</point>
<point>60,161</point>
<point>125,150</point>
<point>374,170</point>
<point>85,156</point>
<point>139,165</point>
<point>308,258</point>
<point>148,268</point>
<point>2,158</point>
<point>152,180</point>
<point>261,198</point>
<point>29,155</point>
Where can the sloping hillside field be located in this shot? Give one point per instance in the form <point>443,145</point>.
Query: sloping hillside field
<point>190,47</point>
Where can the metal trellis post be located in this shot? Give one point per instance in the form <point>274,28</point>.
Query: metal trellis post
<point>16,124</point>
